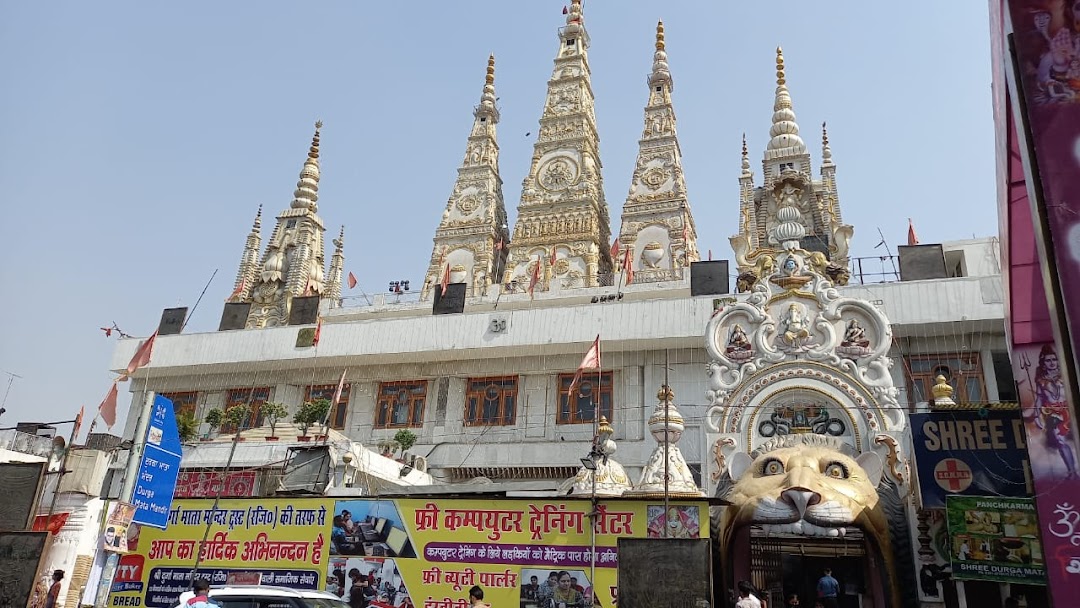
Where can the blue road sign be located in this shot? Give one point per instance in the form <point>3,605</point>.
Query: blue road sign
<point>160,467</point>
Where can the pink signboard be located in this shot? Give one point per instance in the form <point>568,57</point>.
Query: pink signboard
<point>1046,36</point>
<point>1046,39</point>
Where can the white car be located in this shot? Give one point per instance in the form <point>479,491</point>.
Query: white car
<point>268,596</point>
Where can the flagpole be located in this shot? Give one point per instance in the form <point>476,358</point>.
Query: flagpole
<point>597,399</point>
<point>667,431</point>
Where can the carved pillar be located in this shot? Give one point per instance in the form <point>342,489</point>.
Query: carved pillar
<point>592,269</point>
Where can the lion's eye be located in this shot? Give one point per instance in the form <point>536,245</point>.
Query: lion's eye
<point>772,466</point>
<point>836,470</point>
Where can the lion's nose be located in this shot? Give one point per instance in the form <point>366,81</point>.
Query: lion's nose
<point>801,498</point>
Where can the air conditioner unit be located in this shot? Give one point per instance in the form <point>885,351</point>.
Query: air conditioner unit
<point>419,463</point>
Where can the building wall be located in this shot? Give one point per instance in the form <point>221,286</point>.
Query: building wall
<point>644,341</point>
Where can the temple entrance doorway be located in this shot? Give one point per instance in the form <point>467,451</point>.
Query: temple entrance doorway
<point>785,564</point>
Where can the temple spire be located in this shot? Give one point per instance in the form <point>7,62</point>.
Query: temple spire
<point>656,220</point>
<point>472,237</point>
<point>745,158</point>
<point>306,195</point>
<point>784,133</point>
<point>790,209</point>
<point>293,264</point>
<point>826,153</point>
<point>337,267</point>
<point>249,262</point>
<point>563,229</point>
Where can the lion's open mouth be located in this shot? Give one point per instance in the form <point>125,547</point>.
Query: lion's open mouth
<point>804,528</point>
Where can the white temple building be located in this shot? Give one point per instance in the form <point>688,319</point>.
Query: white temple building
<point>485,388</point>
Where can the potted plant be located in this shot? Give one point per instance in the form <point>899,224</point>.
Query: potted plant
<point>404,439</point>
<point>274,412</point>
<point>187,427</point>
<point>214,418</point>
<point>237,418</point>
<point>312,412</point>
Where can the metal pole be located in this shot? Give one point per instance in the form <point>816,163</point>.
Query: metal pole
<point>598,397</point>
<point>667,437</point>
<point>138,444</point>
<point>127,489</point>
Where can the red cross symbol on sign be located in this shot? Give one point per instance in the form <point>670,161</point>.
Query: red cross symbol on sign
<point>952,475</point>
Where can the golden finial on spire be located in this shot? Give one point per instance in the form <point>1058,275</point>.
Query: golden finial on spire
<point>258,218</point>
<point>660,35</point>
<point>313,153</point>
<point>780,67</point>
<point>490,78</point>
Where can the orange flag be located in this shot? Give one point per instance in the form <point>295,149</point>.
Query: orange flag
<point>107,409</point>
<point>352,280</point>
<point>912,239</point>
<point>142,356</point>
<point>628,265</point>
<point>318,332</point>
<point>239,289</point>
<point>535,278</point>
<point>590,362</point>
<point>445,279</point>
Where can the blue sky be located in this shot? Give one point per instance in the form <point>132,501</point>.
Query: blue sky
<point>137,139</point>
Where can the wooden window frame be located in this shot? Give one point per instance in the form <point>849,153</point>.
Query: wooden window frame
<point>937,361</point>
<point>183,401</point>
<point>254,397</point>
<point>572,413</point>
<point>386,399</point>
<point>476,392</point>
<point>338,411</point>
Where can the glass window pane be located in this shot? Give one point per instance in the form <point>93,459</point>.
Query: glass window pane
<point>974,390</point>
<point>509,408</point>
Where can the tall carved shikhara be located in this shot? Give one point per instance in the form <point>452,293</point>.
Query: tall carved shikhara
<point>788,183</point>
<point>472,237</point>
<point>294,262</point>
<point>656,221</point>
<point>563,222</point>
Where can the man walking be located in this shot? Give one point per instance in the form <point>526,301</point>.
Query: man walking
<point>828,590</point>
<point>54,589</point>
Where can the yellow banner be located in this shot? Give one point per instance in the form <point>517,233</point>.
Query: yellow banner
<point>402,553</point>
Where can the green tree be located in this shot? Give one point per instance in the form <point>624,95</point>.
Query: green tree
<point>274,412</point>
<point>187,427</point>
<point>238,416</point>
<point>214,418</point>
<point>312,412</point>
<point>404,439</point>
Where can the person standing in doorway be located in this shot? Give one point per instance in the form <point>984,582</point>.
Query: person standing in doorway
<point>747,596</point>
<point>54,589</point>
<point>828,590</point>
<point>793,600</point>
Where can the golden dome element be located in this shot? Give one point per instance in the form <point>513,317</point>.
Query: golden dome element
<point>660,35</point>
<point>490,78</point>
<point>604,427</point>
<point>941,390</point>
<point>780,66</point>
<point>313,153</point>
<point>665,394</point>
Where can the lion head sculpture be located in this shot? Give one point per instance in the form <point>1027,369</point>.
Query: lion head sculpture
<point>804,485</point>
